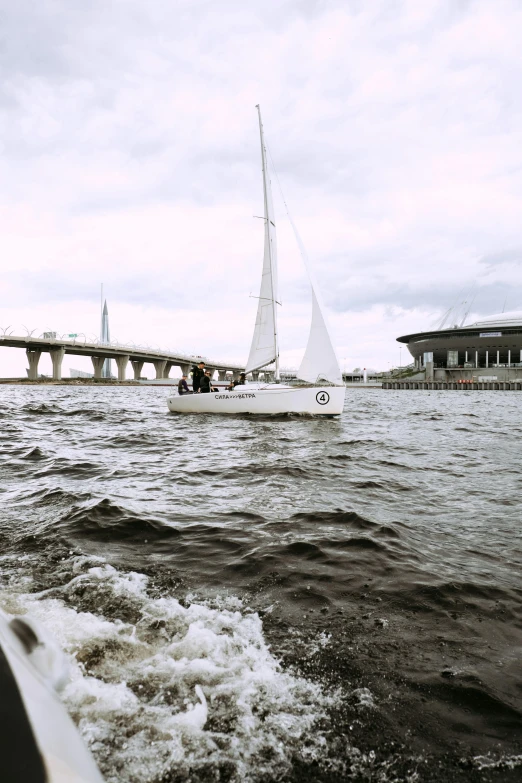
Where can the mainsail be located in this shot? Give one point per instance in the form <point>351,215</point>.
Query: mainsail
<point>264,349</point>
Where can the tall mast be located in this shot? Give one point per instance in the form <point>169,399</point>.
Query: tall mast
<point>269,223</point>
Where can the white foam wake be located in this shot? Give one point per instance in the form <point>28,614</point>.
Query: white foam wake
<point>176,688</point>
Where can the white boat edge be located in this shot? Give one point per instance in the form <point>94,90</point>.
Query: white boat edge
<point>270,400</point>
<point>65,757</point>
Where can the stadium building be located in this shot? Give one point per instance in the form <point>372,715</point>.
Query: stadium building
<point>487,350</point>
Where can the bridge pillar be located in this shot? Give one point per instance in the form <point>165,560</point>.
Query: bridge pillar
<point>168,368</point>
<point>33,357</point>
<point>159,364</point>
<point>57,355</point>
<point>185,369</point>
<point>235,375</point>
<point>122,362</point>
<point>97,363</point>
<point>137,366</point>
<point>255,375</point>
<point>222,375</point>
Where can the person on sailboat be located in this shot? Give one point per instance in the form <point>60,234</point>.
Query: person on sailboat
<point>197,373</point>
<point>205,384</point>
<point>238,382</point>
<point>183,386</point>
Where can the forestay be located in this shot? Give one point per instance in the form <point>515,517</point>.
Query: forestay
<point>320,361</point>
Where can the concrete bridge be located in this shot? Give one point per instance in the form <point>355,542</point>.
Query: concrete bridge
<point>163,361</point>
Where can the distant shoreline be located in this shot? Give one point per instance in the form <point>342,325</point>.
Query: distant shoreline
<point>69,382</point>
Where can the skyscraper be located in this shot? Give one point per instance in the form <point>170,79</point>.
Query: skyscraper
<point>105,339</point>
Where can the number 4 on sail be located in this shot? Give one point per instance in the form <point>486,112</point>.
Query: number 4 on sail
<point>319,389</point>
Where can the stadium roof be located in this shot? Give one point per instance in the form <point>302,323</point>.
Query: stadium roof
<point>501,321</point>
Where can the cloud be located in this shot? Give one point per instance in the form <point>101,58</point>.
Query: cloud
<point>512,256</point>
<point>130,155</point>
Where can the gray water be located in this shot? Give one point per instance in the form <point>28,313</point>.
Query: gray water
<point>345,593</point>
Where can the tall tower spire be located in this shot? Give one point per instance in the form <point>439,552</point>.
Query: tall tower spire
<point>105,339</point>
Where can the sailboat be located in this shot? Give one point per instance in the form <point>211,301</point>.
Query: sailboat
<point>319,389</point>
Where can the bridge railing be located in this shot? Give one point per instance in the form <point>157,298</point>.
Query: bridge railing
<point>92,341</point>
<point>169,354</point>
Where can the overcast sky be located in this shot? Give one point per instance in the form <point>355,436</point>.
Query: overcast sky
<point>130,156</point>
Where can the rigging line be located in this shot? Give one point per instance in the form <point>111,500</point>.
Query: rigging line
<point>300,245</point>
<point>265,219</point>
<point>265,299</point>
<point>278,182</point>
<point>316,291</point>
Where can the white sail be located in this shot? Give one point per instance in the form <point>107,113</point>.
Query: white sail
<point>264,349</point>
<point>320,361</point>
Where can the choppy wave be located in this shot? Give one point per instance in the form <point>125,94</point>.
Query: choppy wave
<point>274,599</point>
<point>195,682</point>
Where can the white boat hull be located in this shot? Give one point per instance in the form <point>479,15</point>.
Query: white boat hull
<point>272,401</point>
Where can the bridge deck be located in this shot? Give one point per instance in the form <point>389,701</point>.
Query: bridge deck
<point>138,355</point>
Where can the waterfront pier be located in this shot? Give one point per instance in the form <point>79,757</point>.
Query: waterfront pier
<point>456,385</point>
